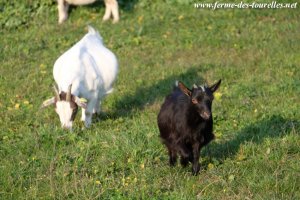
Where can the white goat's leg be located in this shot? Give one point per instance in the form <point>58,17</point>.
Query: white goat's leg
<point>62,10</point>
<point>97,108</point>
<point>108,10</point>
<point>88,119</point>
<point>89,112</point>
<point>83,114</point>
<point>115,11</point>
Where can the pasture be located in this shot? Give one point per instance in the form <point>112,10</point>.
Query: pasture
<point>256,53</point>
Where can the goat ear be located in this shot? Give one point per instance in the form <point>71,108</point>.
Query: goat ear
<point>184,89</point>
<point>215,86</point>
<point>80,102</point>
<point>48,102</point>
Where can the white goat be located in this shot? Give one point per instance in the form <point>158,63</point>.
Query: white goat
<point>87,70</point>
<point>111,8</point>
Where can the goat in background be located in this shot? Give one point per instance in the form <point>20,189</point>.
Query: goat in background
<point>111,8</point>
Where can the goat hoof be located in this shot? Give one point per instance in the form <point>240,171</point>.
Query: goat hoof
<point>195,173</point>
<point>115,21</point>
<point>172,162</point>
<point>62,20</point>
<point>184,162</point>
<point>105,18</point>
<point>196,170</point>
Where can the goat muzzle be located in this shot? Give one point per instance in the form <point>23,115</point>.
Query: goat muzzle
<point>205,115</point>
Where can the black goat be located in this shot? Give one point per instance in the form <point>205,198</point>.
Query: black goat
<point>185,123</point>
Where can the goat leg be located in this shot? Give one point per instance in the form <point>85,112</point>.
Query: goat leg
<point>62,10</point>
<point>186,155</point>
<point>172,156</point>
<point>196,156</point>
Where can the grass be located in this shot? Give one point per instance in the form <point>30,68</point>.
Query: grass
<point>255,156</point>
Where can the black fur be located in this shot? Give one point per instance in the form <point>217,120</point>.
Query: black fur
<point>185,123</point>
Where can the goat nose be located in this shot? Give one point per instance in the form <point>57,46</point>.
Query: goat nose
<point>67,127</point>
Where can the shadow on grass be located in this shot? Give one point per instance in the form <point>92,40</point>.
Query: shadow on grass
<point>274,126</point>
<point>147,95</point>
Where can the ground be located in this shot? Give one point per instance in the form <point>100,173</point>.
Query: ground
<point>256,110</point>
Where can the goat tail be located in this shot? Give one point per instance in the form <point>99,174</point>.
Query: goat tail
<point>93,31</point>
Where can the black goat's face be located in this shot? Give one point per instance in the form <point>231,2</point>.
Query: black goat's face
<point>201,97</point>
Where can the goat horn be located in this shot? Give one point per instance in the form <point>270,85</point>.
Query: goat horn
<point>56,92</point>
<point>195,86</point>
<point>68,98</point>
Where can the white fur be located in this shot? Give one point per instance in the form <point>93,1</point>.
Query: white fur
<point>111,8</point>
<point>64,112</point>
<point>91,68</point>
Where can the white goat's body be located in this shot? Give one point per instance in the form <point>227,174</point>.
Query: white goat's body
<point>80,2</point>
<point>90,68</point>
<point>111,8</point>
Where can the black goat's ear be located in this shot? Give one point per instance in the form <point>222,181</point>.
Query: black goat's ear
<point>215,86</point>
<point>184,89</point>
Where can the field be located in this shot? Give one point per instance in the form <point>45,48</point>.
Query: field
<point>256,53</point>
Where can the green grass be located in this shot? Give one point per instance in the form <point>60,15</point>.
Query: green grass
<point>257,150</point>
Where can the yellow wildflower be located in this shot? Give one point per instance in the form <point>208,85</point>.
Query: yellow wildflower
<point>180,17</point>
<point>97,182</point>
<point>140,19</point>
<point>17,106</point>
<point>210,166</point>
<point>218,95</point>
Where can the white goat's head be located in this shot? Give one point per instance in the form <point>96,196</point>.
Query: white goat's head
<point>66,106</point>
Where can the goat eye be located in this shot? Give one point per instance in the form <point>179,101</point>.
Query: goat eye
<point>194,101</point>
